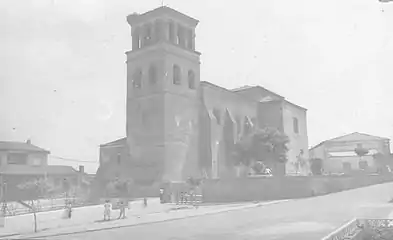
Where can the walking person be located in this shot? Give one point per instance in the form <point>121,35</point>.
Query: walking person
<point>107,210</point>
<point>162,195</point>
<point>69,209</point>
<point>122,209</point>
<point>144,202</point>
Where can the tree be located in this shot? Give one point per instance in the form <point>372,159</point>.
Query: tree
<point>382,162</point>
<point>35,189</point>
<point>360,151</point>
<point>316,166</point>
<point>268,145</point>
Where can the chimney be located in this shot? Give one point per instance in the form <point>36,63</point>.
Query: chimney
<point>28,141</point>
<point>81,169</point>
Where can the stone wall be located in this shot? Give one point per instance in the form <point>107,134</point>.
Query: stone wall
<point>274,188</point>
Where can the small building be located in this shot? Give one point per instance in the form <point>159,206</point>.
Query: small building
<point>22,162</point>
<point>338,154</point>
<point>22,153</point>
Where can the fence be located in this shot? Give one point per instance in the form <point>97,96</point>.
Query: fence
<point>359,229</point>
<point>189,199</point>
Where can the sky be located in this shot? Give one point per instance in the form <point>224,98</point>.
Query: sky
<point>63,71</point>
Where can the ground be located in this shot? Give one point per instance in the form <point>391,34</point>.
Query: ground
<point>311,218</point>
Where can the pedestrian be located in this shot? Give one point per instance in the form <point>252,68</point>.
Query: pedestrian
<point>145,202</point>
<point>161,195</point>
<point>107,210</point>
<point>122,209</point>
<point>69,208</point>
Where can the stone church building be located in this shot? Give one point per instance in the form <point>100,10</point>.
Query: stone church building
<point>181,124</point>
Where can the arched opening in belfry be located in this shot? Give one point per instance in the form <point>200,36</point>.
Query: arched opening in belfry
<point>172,33</point>
<point>148,35</point>
<point>136,39</point>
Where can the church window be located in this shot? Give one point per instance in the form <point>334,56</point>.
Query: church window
<point>176,75</point>
<point>295,125</point>
<point>217,115</point>
<point>137,79</point>
<point>191,79</point>
<point>153,74</point>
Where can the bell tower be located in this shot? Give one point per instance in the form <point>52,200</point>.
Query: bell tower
<point>163,75</point>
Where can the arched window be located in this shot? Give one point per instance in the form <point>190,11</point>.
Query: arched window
<point>191,79</point>
<point>152,75</point>
<point>137,79</point>
<point>176,75</point>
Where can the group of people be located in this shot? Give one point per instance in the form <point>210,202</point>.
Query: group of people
<point>122,205</point>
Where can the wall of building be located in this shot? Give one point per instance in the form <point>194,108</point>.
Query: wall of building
<point>32,158</point>
<point>3,158</point>
<point>221,101</point>
<point>37,159</point>
<point>334,164</point>
<point>298,141</point>
<point>317,152</point>
<point>270,115</point>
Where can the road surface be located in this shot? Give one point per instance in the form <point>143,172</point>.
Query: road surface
<point>305,219</point>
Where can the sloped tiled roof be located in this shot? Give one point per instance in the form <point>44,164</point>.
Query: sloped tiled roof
<point>21,146</point>
<point>37,170</point>
<point>117,143</point>
<point>356,136</point>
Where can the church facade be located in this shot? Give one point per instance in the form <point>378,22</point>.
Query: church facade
<point>184,125</point>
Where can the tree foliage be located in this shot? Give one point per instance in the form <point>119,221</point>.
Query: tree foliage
<point>37,188</point>
<point>316,166</point>
<point>360,151</point>
<point>266,145</point>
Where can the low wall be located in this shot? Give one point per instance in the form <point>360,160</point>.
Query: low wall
<point>289,187</point>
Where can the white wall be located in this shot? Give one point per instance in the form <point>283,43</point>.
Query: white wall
<point>298,141</point>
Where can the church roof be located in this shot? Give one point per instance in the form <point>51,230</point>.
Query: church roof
<point>258,88</point>
<point>136,18</point>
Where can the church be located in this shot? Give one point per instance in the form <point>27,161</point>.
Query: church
<point>180,124</point>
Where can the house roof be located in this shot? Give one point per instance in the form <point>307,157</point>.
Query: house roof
<point>117,143</point>
<point>12,169</point>
<point>356,136</point>
<point>21,146</point>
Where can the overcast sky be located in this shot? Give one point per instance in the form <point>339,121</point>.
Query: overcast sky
<point>63,72</point>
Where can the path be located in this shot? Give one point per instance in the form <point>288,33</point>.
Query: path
<point>306,219</point>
